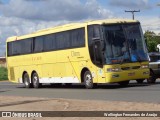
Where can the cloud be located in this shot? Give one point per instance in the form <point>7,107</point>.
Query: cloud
<point>1,2</point>
<point>150,24</point>
<point>20,17</point>
<point>53,10</point>
<point>131,4</point>
<point>12,26</point>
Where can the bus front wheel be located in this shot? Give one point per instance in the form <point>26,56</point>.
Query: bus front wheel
<point>35,80</point>
<point>88,81</point>
<point>26,81</point>
<point>140,80</point>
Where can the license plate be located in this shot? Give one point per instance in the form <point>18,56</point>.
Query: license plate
<point>131,74</point>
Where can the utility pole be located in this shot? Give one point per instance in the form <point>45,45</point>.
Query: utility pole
<point>132,11</point>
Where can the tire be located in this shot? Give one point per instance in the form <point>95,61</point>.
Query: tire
<point>152,77</point>
<point>140,80</point>
<point>26,81</point>
<point>35,81</point>
<point>124,83</point>
<point>88,81</point>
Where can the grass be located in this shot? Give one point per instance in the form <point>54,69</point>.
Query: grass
<point>3,73</point>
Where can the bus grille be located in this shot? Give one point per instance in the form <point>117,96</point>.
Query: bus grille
<point>125,68</point>
<point>135,67</point>
<point>128,68</point>
<point>12,76</point>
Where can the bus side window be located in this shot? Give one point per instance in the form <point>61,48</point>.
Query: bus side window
<point>9,49</point>
<point>38,44</point>
<point>94,32</point>
<point>16,48</point>
<point>49,42</point>
<point>78,38</point>
<point>26,46</point>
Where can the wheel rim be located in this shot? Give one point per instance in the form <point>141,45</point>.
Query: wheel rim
<point>26,81</point>
<point>35,80</point>
<point>88,80</point>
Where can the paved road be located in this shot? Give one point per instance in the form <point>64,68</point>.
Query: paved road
<point>112,92</point>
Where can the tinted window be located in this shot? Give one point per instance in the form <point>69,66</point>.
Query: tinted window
<point>155,58</point>
<point>38,44</point>
<point>9,48</point>
<point>63,40</point>
<point>93,32</point>
<point>26,46</point>
<point>49,42</point>
<point>16,48</point>
<point>78,37</point>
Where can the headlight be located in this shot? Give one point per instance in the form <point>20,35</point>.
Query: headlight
<point>113,69</point>
<point>144,66</point>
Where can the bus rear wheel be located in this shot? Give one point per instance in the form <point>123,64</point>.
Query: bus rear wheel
<point>88,81</point>
<point>26,81</point>
<point>35,80</point>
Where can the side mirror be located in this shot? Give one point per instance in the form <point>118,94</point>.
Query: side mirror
<point>98,55</point>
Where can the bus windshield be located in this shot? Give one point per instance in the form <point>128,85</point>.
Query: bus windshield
<point>124,43</point>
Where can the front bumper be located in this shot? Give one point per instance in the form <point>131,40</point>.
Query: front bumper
<point>127,75</point>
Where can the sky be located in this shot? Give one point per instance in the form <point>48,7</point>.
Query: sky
<point>19,17</point>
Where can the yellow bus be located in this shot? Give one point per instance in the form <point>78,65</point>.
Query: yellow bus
<point>100,51</point>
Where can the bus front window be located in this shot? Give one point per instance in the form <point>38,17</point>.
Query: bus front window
<point>136,43</point>
<point>124,44</point>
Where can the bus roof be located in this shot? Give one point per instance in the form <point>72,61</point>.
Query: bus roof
<point>70,26</point>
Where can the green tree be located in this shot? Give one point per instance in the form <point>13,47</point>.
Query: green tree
<point>3,74</point>
<point>151,40</point>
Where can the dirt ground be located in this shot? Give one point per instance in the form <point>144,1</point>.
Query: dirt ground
<point>12,103</point>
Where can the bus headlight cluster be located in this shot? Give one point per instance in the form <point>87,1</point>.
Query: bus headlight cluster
<point>144,66</point>
<point>113,69</point>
